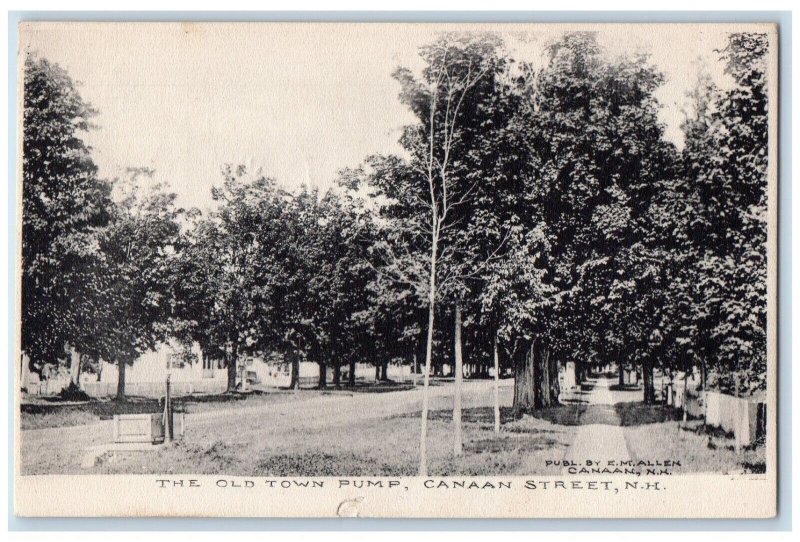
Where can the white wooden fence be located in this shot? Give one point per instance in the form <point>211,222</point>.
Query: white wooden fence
<point>141,389</point>
<point>742,416</point>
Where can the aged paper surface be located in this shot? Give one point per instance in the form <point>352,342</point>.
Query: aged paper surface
<point>231,235</point>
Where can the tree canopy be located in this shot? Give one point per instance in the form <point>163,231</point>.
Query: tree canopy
<point>538,211</point>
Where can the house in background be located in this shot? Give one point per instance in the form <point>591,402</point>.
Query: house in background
<point>191,372</point>
<point>188,370</point>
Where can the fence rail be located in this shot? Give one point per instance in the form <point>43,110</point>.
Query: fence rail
<point>142,389</point>
<point>745,417</point>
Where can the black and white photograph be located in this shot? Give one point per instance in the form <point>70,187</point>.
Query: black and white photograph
<point>401,270</point>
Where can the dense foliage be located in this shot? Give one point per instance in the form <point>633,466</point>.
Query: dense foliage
<point>63,206</point>
<point>541,211</point>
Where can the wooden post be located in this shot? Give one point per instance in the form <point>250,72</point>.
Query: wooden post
<point>168,426</point>
<point>458,447</point>
<point>737,426</point>
<point>685,396</point>
<point>496,386</point>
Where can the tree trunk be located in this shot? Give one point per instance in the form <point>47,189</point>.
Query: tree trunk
<point>323,376</point>
<point>685,395</point>
<point>385,370</point>
<point>233,360</point>
<point>703,374</point>
<point>337,376</point>
<point>351,377</point>
<point>549,385</point>
<point>496,385</point>
<point>737,430</point>
<point>294,384</point>
<point>621,368</point>
<point>377,373</point>
<point>423,454</point>
<point>541,376</point>
<point>647,383</point>
<point>74,367</point>
<point>546,372</point>
<point>121,381</point>
<point>524,383</point>
<point>535,379</point>
<point>458,447</point>
<point>555,385</point>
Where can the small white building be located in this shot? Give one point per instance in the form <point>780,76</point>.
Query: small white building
<point>188,371</point>
<point>191,372</point>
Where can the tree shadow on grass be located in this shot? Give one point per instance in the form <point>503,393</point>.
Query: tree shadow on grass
<point>379,387</point>
<point>618,414</point>
<point>225,397</point>
<point>520,444</point>
<point>574,414</point>
<point>638,413</point>
<point>559,415</point>
<point>625,387</point>
<point>104,410</point>
<point>576,396</point>
<point>573,401</point>
<point>587,386</point>
<point>383,386</point>
<point>474,415</point>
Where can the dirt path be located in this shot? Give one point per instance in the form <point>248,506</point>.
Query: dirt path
<point>336,409</point>
<point>600,436</point>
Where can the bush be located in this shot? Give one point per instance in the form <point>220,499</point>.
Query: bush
<point>73,393</point>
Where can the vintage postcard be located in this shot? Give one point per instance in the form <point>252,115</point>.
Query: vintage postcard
<point>396,270</point>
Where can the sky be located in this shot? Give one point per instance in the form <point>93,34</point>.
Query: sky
<point>299,101</point>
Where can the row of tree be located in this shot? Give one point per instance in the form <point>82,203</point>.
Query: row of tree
<point>535,217</point>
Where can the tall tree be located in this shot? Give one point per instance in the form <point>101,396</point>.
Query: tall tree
<point>335,255</point>
<point>229,268</point>
<point>517,302</point>
<point>64,204</point>
<point>726,162</point>
<point>136,248</point>
<point>596,152</point>
<point>434,184</point>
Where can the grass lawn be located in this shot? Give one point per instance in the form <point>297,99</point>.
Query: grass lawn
<point>390,447</point>
<point>52,413</point>
<point>349,433</point>
<point>699,450</point>
<point>43,412</point>
<point>377,447</point>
